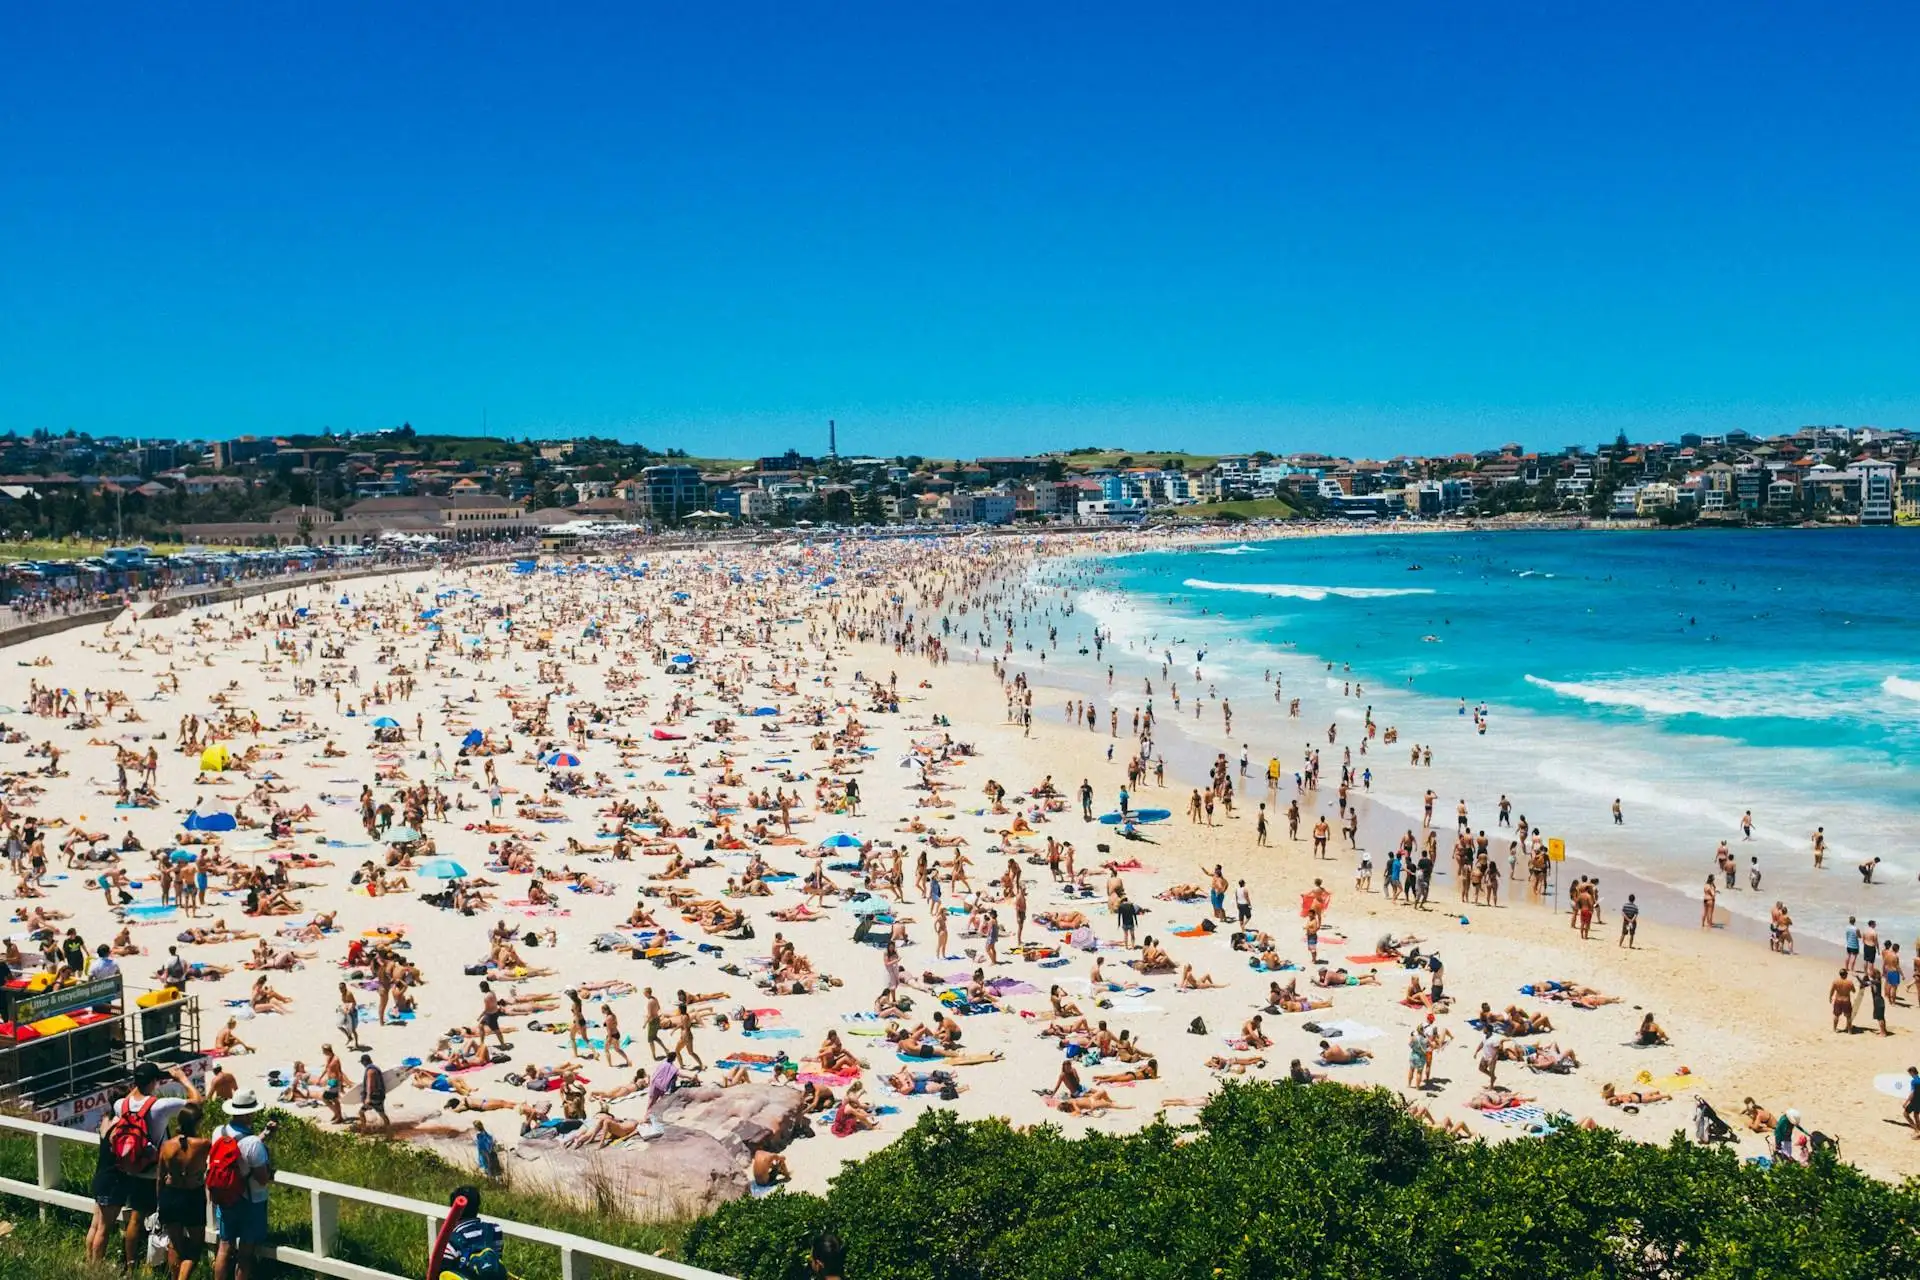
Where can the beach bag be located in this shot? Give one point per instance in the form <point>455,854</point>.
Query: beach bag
<point>1198,1027</point>
<point>226,1171</point>
<point>128,1139</point>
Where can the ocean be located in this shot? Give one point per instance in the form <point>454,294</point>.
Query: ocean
<point>1693,676</point>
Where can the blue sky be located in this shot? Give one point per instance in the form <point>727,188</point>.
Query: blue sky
<point>961,229</point>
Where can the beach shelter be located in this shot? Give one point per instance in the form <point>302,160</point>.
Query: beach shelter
<point>681,658</point>
<point>473,739</point>
<point>209,822</point>
<point>216,758</point>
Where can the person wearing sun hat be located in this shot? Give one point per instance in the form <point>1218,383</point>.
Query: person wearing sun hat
<point>241,1224</point>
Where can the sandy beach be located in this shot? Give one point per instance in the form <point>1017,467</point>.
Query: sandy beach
<point>609,757</point>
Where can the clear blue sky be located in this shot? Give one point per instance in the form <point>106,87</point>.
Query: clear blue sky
<point>961,229</point>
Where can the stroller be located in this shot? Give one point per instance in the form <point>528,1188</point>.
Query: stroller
<point>1708,1127</point>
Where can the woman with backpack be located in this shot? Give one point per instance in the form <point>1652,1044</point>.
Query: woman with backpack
<point>183,1193</point>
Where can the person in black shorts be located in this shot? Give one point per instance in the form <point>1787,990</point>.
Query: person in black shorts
<point>108,1197</point>
<point>1629,921</point>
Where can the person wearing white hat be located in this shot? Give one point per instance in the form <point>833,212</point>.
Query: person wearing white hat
<point>239,1173</point>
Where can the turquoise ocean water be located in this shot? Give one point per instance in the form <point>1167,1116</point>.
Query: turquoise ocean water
<point>1694,676</point>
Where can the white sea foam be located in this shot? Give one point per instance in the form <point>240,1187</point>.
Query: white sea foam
<point>1723,695</point>
<point>1299,591</point>
<point>1241,550</point>
<point>1900,687</point>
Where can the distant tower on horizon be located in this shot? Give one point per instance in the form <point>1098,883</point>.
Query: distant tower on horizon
<point>833,444</point>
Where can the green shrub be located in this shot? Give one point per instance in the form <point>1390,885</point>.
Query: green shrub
<point>1281,1180</point>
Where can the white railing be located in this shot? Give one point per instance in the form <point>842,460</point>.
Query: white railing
<point>577,1253</point>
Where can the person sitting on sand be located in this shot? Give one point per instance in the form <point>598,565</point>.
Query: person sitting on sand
<point>1758,1118</point>
<point>1650,1032</point>
<point>835,1058</point>
<point>264,999</point>
<point>1253,1034</point>
<point>1154,958</point>
<point>1062,1007</point>
<point>227,1041</point>
<point>1332,1054</point>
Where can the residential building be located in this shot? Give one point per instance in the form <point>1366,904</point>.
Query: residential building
<point>672,492</point>
<point>1879,489</point>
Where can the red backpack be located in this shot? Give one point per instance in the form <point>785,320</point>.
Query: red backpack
<point>227,1172</point>
<point>128,1140</point>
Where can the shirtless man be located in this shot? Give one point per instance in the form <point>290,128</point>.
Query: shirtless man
<point>1335,1054</point>
<point>1841,993</point>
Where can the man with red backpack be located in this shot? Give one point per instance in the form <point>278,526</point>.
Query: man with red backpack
<point>239,1172</point>
<point>130,1178</point>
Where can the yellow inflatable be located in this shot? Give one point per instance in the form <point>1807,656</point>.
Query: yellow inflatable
<point>216,759</point>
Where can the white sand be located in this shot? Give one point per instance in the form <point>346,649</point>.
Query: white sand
<point>1743,1021</point>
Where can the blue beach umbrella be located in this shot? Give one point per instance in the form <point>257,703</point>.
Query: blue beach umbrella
<point>840,840</point>
<point>385,722</point>
<point>563,760</point>
<point>442,869</point>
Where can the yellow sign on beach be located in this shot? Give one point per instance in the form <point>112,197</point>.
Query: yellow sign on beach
<point>1556,850</point>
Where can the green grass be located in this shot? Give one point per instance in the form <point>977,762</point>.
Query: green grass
<point>1246,509</point>
<point>81,548</point>
<point>1141,458</point>
<point>389,1241</point>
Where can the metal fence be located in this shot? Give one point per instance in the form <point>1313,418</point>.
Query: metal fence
<point>578,1255</point>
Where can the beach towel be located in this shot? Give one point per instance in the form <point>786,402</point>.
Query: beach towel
<point>1387,959</point>
<point>833,1081</point>
<point>1517,1115</point>
<point>1348,1029</point>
